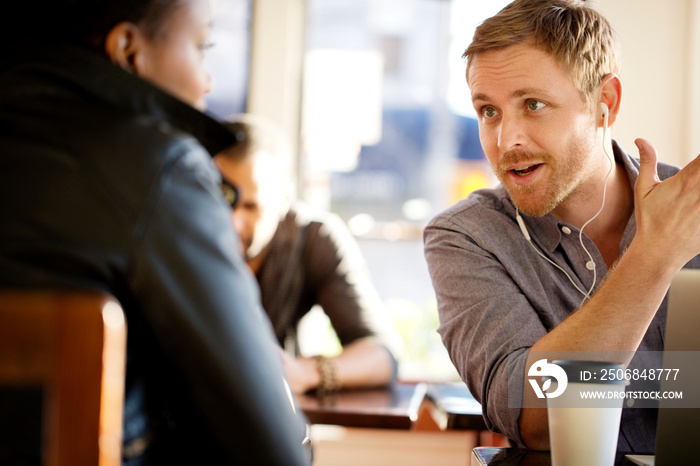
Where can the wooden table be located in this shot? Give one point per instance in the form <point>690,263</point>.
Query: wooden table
<point>455,407</point>
<point>394,407</point>
<point>393,425</point>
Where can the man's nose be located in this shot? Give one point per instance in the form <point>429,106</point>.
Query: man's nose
<point>512,133</point>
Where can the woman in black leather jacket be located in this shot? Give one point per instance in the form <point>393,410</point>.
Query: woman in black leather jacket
<point>106,182</point>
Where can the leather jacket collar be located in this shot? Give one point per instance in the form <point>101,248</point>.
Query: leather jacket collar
<point>83,71</point>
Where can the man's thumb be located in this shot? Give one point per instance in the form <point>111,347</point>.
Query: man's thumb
<point>648,176</point>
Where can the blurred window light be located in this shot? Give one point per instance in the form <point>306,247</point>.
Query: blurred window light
<point>416,209</point>
<point>227,62</point>
<point>341,107</point>
<point>386,112</point>
<point>361,224</point>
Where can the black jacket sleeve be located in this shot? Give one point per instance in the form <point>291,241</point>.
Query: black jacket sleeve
<point>197,291</point>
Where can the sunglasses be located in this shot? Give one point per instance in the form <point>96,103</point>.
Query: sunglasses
<point>231,193</point>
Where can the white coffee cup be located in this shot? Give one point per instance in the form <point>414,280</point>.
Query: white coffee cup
<point>584,420</point>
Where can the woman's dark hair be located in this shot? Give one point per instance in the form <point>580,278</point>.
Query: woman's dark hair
<point>86,22</point>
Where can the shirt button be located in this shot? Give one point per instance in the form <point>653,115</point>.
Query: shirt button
<point>566,230</point>
<point>590,265</point>
<point>630,402</point>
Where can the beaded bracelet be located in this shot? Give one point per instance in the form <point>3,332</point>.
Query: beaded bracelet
<point>329,377</point>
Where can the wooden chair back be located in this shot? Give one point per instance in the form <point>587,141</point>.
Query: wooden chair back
<point>72,344</point>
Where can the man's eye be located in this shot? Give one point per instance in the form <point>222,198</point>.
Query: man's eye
<point>534,105</point>
<point>489,112</point>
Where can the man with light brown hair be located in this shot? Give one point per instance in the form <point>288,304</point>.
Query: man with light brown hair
<point>513,271</point>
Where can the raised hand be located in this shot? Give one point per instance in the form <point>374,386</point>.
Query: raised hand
<point>667,212</point>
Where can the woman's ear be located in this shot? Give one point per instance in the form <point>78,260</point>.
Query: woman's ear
<point>122,45</point>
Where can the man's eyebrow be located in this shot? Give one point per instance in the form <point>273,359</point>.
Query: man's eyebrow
<point>479,96</point>
<point>530,91</point>
<point>518,93</point>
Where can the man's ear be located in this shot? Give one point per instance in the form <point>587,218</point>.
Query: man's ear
<point>123,44</point>
<point>611,95</point>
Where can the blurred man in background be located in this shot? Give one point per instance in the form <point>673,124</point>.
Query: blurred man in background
<point>302,257</point>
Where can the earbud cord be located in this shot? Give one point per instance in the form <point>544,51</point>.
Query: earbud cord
<point>580,235</point>
<point>585,295</point>
<point>602,205</point>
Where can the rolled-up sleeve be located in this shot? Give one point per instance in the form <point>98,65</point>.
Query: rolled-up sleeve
<point>486,321</point>
<point>345,290</point>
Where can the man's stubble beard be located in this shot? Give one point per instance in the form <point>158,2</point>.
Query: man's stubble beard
<point>564,178</point>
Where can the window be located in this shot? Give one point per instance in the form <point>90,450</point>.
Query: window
<point>389,139</point>
<point>227,62</point>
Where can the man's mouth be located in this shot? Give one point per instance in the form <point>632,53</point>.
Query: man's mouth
<point>524,171</point>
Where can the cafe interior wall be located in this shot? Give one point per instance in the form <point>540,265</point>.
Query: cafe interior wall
<point>660,74</point>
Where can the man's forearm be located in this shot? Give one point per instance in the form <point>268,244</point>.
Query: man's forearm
<point>618,315</point>
<point>615,319</point>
